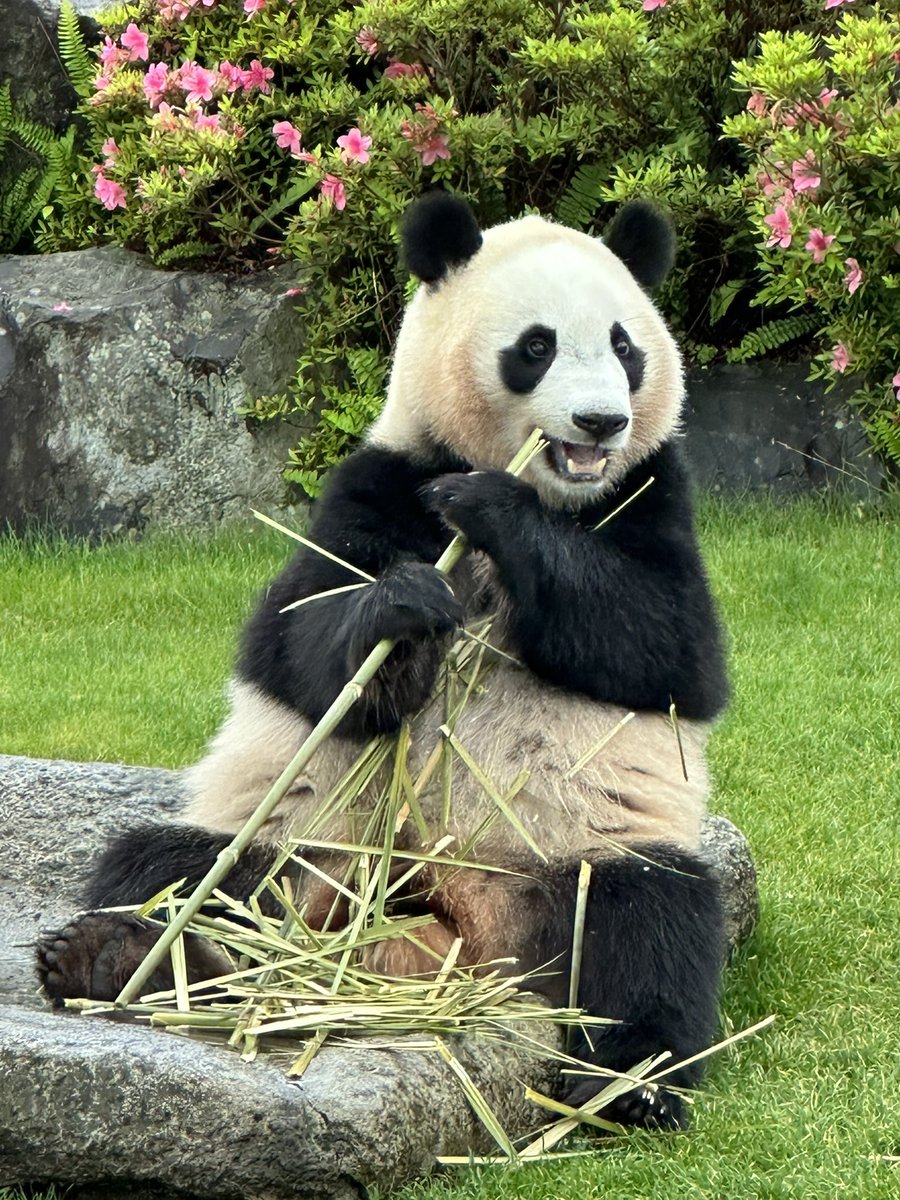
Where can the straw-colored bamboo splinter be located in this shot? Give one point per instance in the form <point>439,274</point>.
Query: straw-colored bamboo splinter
<point>350,693</point>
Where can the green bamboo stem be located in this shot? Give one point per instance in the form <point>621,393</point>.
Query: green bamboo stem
<point>348,696</point>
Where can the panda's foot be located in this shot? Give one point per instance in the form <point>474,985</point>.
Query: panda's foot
<point>95,955</point>
<point>648,1106</point>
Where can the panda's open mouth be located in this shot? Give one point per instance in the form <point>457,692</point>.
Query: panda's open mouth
<point>580,462</point>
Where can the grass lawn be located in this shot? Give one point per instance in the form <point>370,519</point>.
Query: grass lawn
<point>121,652</point>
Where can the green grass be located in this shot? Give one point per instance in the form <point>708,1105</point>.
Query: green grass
<point>121,652</point>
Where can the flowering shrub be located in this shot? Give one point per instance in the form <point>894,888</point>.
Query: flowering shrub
<point>232,130</point>
<point>822,127</point>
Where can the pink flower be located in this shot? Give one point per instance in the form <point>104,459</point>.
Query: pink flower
<point>287,137</point>
<point>230,75</point>
<point>354,146</point>
<point>437,146</point>
<point>818,243</point>
<point>257,76</point>
<point>826,96</point>
<point>136,42</point>
<point>156,80</point>
<point>840,358</point>
<point>203,120</point>
<point>291,291</point>
<point>305,157</point>
<point>757,104</point>
<point>649,5</point>
<point>197,82</point>
<point>365,39</point>
<point>836,3</point>
<point>111,55</point>
<point>166,119</point>
<point>110,149</point>
<point>780,223</point>
<point>252,7</point>
<point>62,307</point>
<point>399,70</point>
<point>332,189</point>
<point>895,383</point>
<point>805,174</point>
<point>854,276</point>
<point>108,192</point>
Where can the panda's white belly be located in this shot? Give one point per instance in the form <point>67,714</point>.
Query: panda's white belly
<point>632,790</point>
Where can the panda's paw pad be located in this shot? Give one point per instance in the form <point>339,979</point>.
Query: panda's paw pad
<point>648,1107</point>
<point>92,956</point>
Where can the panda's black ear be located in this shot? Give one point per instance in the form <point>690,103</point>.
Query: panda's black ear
<point>644,238</point>
<point>438,231</point>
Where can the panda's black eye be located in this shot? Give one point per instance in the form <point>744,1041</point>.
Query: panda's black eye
<point>538,347</point>
<point>620,341</point>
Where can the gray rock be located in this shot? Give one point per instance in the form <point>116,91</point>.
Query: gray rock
<point>121,413</point>
<point>86,1100</point>
<point>765,426</point>
<point>728,853</point>
<point>29,58</point>
<point>94,1101</point>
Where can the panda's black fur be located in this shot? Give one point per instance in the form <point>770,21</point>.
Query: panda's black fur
<point>620,615</point>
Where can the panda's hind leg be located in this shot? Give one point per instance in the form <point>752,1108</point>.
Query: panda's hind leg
<point>652,960</point>
<point>95,954</point>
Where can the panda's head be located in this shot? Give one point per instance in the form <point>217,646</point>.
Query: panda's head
<point>534,324</point>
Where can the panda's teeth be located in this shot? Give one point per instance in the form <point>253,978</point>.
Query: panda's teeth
<point>571,466</point>
<point>601,466</point>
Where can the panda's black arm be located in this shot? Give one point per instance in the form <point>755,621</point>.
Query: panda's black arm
<point>623,613</point>
<point>371,516</point>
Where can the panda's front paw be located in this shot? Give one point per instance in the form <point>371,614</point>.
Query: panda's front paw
<point>411,601</point>
<point>480,504</point>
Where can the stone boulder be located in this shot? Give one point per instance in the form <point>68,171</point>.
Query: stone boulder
<point>95,1102</point>
<point>765,426</point>
<point>30,60</point>
<point>119,391</point>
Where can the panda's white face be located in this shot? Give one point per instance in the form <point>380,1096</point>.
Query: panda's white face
<point>544,327</point>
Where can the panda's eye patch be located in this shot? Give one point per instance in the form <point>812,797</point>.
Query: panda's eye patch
<point>631,357</point>
<point>620,341</point>
<point>525,363</point>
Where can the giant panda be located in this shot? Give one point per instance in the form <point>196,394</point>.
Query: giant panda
<point>591,564</point>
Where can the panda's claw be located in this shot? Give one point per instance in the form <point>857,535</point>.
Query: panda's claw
<point>646,1107</point>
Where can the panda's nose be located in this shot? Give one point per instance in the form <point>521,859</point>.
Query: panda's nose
<point>600,425</point>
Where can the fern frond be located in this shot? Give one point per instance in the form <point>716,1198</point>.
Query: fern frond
<point>72,50</point>
<point>6,115</point>
<point>884,430</point>
<point>578,204</point>
<point>183,252</point>
<point>772,336</point>
<point>35,137</point>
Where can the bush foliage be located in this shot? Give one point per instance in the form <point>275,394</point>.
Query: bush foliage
<point>223,131</point>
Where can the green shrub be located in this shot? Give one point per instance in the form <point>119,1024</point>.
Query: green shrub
<point>352,109</point>
<point>822,128</point>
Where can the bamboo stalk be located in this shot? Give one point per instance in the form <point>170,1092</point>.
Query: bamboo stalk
<point>348,696</point>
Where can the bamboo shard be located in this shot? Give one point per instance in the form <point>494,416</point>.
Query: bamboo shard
<point>348,696</point>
